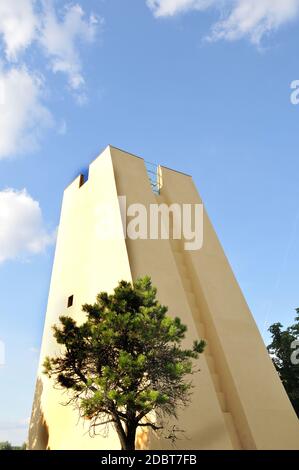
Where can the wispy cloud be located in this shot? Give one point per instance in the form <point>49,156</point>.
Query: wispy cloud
<point>22,25</point>
<point>174,7</point>
<point>60,39</point>
<point>18,25</point>
<point>23,116</point>
<point>58,35</point>
<point>252,19</point>
<point>22,228</point>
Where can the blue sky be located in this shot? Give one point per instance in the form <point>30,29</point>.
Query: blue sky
<point>197,85</point>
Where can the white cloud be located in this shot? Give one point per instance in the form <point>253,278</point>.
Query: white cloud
<point>24,23</point>
<point>239,18</point>
<point>18,24</point>
<point>254,19</point>
<point>60,39</point>
<point>173,7</point>
<point>22,114</point>
<point>22,230</point>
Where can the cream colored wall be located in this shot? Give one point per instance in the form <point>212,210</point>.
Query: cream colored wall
<point>84,265</point>
<point>238,401</point>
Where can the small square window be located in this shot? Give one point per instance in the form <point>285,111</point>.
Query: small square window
<point>70,301</point>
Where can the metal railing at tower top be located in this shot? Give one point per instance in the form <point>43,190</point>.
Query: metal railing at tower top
<point>154,176</point>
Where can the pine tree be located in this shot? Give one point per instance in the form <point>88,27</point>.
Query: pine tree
<point>125,365</point>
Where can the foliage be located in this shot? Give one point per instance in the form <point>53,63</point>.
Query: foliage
<point>5,445</point>
<point>125,361</point>
<point>281,352</point>
<point>8,446</point>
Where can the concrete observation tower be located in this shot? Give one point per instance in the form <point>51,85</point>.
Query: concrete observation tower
<point>238,400</point>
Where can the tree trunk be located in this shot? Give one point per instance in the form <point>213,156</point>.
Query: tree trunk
<point>130,438</point>
<point>121,434</point>
<point>127,438</point>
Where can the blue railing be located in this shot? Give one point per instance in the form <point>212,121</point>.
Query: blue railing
<point>154,176</point>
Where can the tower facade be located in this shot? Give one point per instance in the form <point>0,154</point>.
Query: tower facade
<point>238,400</point>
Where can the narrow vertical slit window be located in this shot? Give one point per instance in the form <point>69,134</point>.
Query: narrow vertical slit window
<point>70,301</point>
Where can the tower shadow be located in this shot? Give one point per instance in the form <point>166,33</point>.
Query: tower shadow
<point>38,436</point>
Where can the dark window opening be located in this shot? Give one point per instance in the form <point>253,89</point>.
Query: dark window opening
<point>70,301</point>
<point>83,177</point>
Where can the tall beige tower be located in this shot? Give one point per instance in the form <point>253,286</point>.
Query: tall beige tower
<point>238,400</point>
